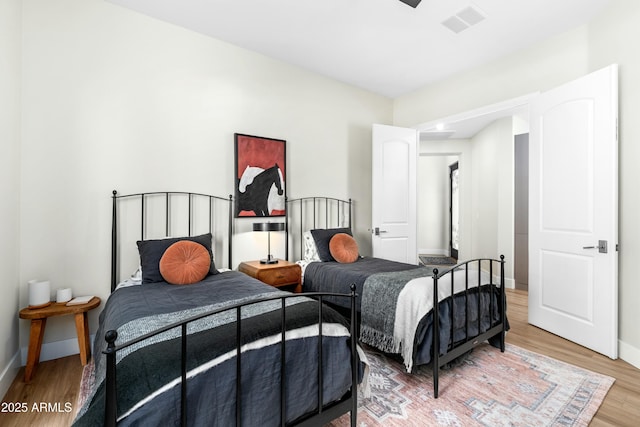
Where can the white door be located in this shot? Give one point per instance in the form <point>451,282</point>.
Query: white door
<point>573,223</point>
<point>394,223</point>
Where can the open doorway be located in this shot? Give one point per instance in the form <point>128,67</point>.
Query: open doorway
<point>434,219</point>
<point>521,212</point>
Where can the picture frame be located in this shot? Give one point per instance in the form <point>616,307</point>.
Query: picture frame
<point>260,176</point>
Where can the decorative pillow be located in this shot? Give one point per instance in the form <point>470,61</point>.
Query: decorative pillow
<point>152,250</point>
<point>343,248</point>
<point>310,251</point>
<point>185,262</point>
<point>322,237</point>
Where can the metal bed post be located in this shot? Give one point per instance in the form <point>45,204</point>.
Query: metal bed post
<point>283,366</point>
<point>452,312</point>
<point>301,232</point>
<point>436,334</point>
<point>286,228</point>
<point>491,305</point>
<point>354,359</point>
<point>466,302</point>
<point>320,356</point>
<point>503,304</point>
<point>479,297</point>
<point>230,237</point>
<point>110,408</point>
<point>183,372</point>
<point>114,241</point>
<point>238,367</point>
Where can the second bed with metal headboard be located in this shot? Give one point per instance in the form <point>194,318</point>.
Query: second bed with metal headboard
<point>397,301</point>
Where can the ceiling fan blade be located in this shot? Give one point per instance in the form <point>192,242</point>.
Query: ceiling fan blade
<point>412,3</point>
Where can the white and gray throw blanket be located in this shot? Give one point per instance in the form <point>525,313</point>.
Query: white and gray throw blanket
<point>393,304</point>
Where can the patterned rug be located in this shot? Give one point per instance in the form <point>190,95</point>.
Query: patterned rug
<point>488,388</point>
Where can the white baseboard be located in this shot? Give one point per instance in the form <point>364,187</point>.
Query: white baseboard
<point>56,349</point>
<point>508,283</point>
<point>629,353</point>
<point>9,374</point>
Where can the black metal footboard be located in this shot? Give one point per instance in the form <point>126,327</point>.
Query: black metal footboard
<point>496,302</point>
<point>323,413</point>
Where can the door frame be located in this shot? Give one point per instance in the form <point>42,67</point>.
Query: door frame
<point>467,124</point>
<point>453,253</point>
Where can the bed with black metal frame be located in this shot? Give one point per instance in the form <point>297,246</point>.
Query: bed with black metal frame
<point>476,313</point>
<point>315,363</point>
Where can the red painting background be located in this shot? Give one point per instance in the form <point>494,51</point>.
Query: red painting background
<point>259,152</point>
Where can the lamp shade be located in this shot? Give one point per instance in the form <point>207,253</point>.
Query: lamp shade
<point>268,226</point>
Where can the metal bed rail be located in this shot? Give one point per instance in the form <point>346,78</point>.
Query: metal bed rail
<point>495,328</point>
<point>322,415</point>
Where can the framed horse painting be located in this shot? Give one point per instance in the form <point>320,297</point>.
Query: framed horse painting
<point>260,176</point>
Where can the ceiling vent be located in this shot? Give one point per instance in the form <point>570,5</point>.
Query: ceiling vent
<point>464,19</point>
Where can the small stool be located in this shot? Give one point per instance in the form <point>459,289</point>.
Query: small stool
<point>39,316</point>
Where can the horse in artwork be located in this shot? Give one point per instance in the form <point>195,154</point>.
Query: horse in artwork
<point>255,196</point>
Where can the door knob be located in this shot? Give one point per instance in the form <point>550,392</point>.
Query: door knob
<point>377,231</point>
<point>602,247</point>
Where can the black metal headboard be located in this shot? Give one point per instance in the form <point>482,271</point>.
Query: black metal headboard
<point>308,213</point>
<point>168,214</point>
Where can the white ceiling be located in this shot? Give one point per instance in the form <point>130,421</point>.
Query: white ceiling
<point>383,46</point>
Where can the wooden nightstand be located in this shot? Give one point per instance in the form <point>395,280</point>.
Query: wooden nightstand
<point>284,273</point>
<point>39,318</point>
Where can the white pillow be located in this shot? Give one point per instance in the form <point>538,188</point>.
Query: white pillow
<point>310,250</point>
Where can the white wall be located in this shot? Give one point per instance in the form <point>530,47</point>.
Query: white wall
<point>611,40</point>
<point>433,203</point>
<point>492,156</point>
<point>607,39</point>
<point>116,100</point>
<point>9,187</point>
<point>543,66</point>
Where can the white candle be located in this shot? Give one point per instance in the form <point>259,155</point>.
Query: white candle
<point>39,293</point>
<point>63,295</point>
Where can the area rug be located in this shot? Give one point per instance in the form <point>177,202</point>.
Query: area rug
<point>488,388</point>
<point>437,260</point>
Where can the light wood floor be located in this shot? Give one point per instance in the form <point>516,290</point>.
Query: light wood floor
<point>59,380</point>
<point>56,382</point>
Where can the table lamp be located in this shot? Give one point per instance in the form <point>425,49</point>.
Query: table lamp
<point>268,227</point>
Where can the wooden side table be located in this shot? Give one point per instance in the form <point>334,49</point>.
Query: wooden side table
<point>283,273</point>
<point>39,316</point>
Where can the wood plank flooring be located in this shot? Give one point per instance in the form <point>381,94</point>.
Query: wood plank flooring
<point>50,397</point>
<point>58,381</point>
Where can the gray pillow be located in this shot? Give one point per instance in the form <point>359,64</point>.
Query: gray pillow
<point>152,250</point>
<point>322,236</point>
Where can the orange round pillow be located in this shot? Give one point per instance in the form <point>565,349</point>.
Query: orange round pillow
<point>343,248</point>
<point>185,262</point>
